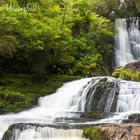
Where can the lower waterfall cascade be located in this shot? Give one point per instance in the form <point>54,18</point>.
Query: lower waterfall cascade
<point>31,132</point>
<point>127,40</point>
<point>57,116</point>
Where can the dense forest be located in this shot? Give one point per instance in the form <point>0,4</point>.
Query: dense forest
<point>42,41</point>
<point>73,37</point>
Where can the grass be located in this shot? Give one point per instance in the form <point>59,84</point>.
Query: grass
<point>19,92</point>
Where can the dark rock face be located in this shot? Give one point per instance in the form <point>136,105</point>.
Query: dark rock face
<point>9,133</point>
<point>102,97</point>
<point>133,118</point>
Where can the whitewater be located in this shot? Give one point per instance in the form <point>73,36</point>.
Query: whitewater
<point>47,120</point>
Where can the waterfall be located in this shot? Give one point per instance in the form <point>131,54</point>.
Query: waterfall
<point>129,97</point>
<point>62,104</point>
<point>31,132</point>
<point>57,116</point>
<point>66,98</point>
<point>127,40</point>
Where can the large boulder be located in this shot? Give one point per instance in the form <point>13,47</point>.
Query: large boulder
<point>102,97</point>
<point>134,65</point>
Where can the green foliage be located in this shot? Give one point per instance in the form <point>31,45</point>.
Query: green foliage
<point>53,37</point>
<point>137,4</point>
<point>12,101</point>
<point>94,134</point>
<point>8,134</point>
<point>18,92</point>
<point>127,74</point>
<point>8,45</point>
<point>96,115</point>
<point>116,8</point>
<point>90,65</point>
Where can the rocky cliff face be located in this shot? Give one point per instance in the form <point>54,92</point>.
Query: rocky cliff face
<point>121,132</point>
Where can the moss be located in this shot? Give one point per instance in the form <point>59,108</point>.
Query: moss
<point>18,92</point>
<point>13,101</point>
<point>127,74</point>
<point>94,134</point>
<point>7,135</point>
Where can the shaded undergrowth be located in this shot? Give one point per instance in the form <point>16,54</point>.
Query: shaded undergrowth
<point>19,92</point>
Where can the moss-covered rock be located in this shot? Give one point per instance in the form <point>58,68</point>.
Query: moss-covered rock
<point>94,134</point>
<point>99,94</point>
<point>130,71</point>
<point>8,134</point>
<point>17,128</point>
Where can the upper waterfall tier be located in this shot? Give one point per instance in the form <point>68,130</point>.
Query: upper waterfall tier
<point>127,40</point>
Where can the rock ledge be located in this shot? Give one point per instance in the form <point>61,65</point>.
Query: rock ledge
<point>121,131</point>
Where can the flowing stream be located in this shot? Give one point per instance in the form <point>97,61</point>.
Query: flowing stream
<point>127,40</point>
<point>58,116</point>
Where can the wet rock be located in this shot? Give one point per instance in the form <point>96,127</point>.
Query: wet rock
<point>133,118</point>
<point>9,133</point>
<point>94,115</point>
<point>102,97</point>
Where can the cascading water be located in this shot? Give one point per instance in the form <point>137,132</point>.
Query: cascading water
<point>129,97</point>
<point>30,132</point>
<point>58,115</point>
<point>57,105</point>
<point>127,41</point>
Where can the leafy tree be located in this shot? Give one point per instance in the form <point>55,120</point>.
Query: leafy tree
<point>116,8</point>
<point>90,65</point>
<point>54,38</point>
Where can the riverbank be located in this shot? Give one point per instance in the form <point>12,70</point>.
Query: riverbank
<point>19,92</point>
<point>130,131</point>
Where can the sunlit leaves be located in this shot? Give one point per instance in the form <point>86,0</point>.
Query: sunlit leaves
<point>60,36</point>
<point>88,65</point>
